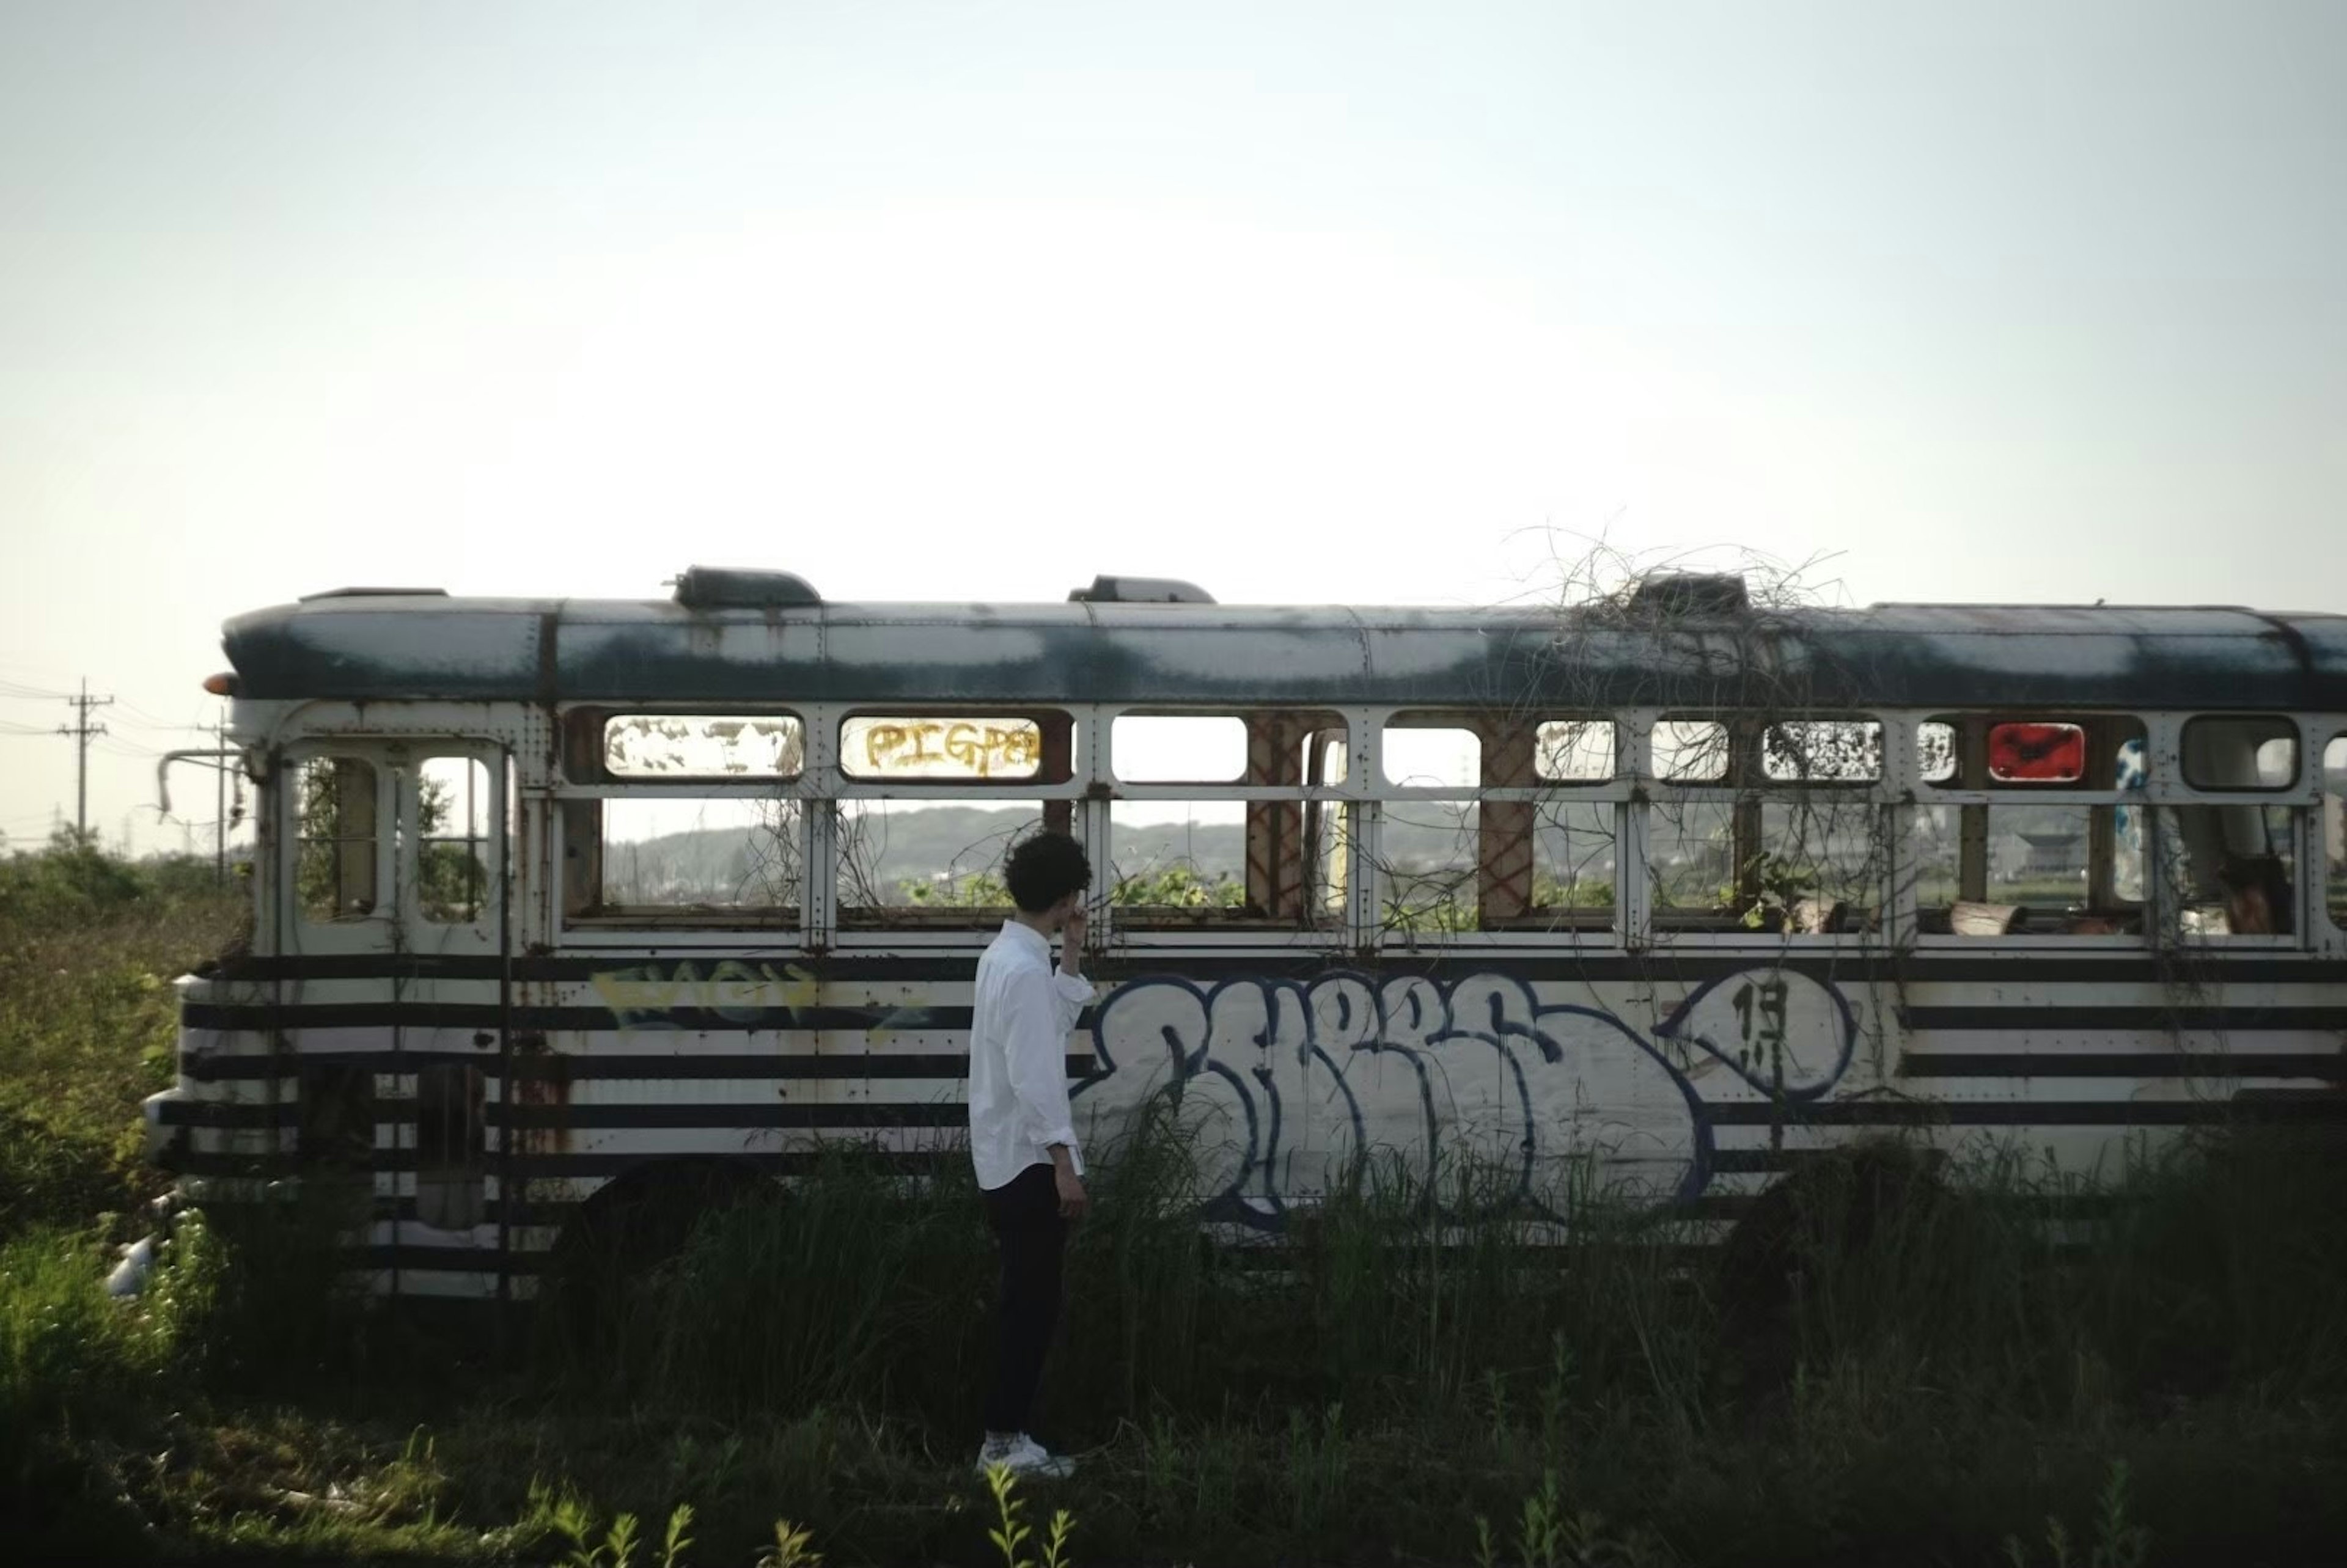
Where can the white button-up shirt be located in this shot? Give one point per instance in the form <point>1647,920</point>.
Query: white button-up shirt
<point>1019,1057</point>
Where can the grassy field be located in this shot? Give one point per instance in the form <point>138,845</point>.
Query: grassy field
<point>1885,1369</point>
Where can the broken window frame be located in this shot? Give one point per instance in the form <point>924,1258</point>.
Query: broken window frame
<point>1760,909</point>
<point>1506,840</point>
<point>575,818</point>
<point>1296,864</point>
<point>363,930</point>
<point>1058,789</point>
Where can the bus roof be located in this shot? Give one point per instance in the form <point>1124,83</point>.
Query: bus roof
<point>387,645</point>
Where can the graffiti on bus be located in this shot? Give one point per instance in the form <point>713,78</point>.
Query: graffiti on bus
<point>1283,1086</point>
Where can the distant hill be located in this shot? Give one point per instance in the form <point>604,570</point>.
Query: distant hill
<point>739,865</point>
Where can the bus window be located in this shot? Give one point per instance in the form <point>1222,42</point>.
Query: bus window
<point>1574,854</point>
<point>1430,850</point>
<point>455,845</point>
<point>932,863</point>
<point>2231,754</point>
<point>1573,751</point>
<point>931,855</point>
<point>1690,750</point>
<point>2335,828</point>
<point>1691,862</point>
<point>2012,868</point>
<point>1821,865</point>
<point>1822,750</point>
<point>973,749</point>
<point>2225,870</point>
<point>1185,748</point>
<point>335,863</point>
<point>671,858</point>
<point>702,745</point>
<point>1185,862</point>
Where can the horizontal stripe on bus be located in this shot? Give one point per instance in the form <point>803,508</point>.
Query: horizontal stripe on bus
<point>1855,966</point>
<point>228,1114</point>
<point>584,1066</point>
<point>728,1114</point>
<point>489,1016</point>
<point>2158,1019</point>
<point>2316,1107</point>
<point>460,1259</point>
<point>2122,1065</point>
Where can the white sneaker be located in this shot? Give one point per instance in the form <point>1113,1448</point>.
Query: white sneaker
<point>1023,1456</point>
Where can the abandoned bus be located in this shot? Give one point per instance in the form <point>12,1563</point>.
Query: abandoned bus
<point>556,897</point>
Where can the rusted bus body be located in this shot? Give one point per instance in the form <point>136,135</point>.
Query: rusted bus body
<point>480,1051</point>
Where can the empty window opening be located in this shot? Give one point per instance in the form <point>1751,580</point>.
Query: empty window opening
<point>703,746</point>
<point>1818,867</point>
<point>450,1161</point>
<point>927,863</point>
<point>1691,863</point>
<point>685,860</point>
<point>2248,754</point>
<point>455,844</point>
<point>337,859</point>
<point>1177,862</point>
<point>1573,852</point>
<point>1431,854</point>
<point>1179,749</point>
<point>1690,750</point>
<point>1433,756</point>
<point>2026,871</point>
<point>1280,861</point>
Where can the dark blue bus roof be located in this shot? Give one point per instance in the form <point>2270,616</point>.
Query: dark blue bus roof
<point>375,645</point>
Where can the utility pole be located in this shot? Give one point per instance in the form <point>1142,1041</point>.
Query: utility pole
<point>82,731</point>
<point>219,805</point>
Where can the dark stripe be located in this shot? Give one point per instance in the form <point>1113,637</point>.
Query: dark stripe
<point>464,1259</point>
<point>222,1114</point>
<point>256,1017</point>
<point>532,1212</point>
<point>2025,1016</point>
<point>2118,967</point>
<point>1733,1162</point>
<point>2122,1065</point>
<point>2027,1113</point>
<point>583,1066</point>
<point>727,1115</point>
<point>919,1162</point>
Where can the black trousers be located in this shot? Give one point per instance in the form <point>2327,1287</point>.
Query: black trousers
<point>1024,1212</point>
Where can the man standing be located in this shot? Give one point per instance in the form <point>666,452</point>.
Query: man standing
<point>1022,1136</point>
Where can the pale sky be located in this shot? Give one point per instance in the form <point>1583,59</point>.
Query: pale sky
<point>1306,302</point>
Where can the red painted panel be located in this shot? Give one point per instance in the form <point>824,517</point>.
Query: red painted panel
<point>2036,753</point>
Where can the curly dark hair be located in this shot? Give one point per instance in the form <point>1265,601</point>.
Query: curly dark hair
<point>1044,868</point>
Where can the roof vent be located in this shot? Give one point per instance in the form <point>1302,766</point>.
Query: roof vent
<point>723,587</point>
<point>376,593</point>
<point>1139,590</point>
<point>1692,593</point>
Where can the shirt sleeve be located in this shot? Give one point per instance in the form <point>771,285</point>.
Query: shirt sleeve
<point>1040,1011</point>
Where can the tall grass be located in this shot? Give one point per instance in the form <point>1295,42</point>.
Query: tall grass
<point>1896,1359</point>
